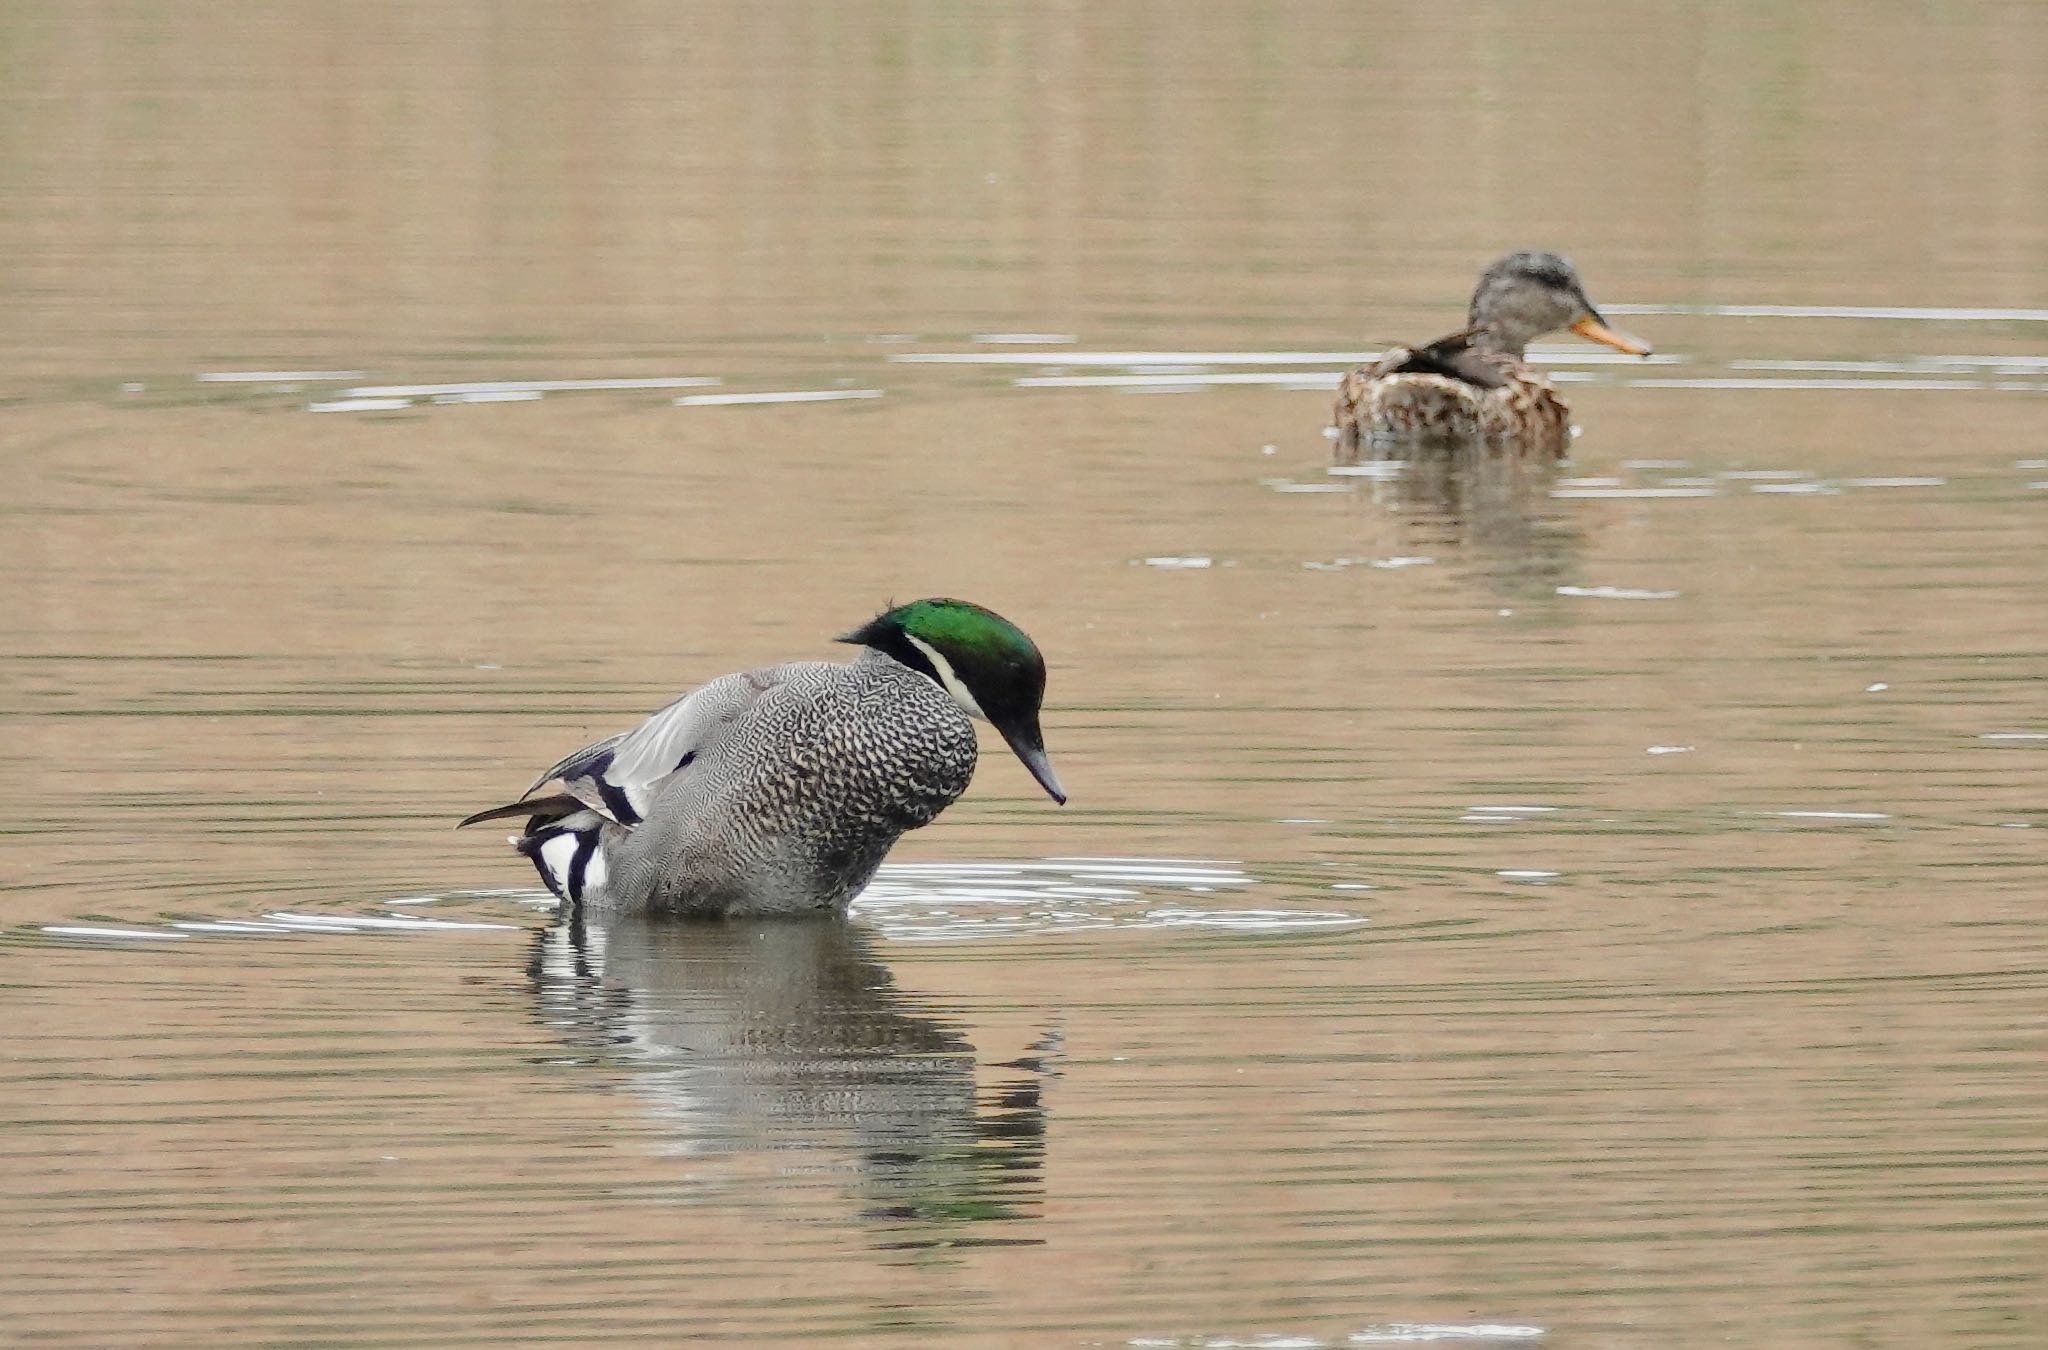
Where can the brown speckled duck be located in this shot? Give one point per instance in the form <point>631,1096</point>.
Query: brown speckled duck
<point>1474,388</point>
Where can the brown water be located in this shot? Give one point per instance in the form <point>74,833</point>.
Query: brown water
<point>1600,911</point>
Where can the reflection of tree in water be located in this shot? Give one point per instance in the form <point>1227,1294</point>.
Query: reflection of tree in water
<point>1492,513</point>
<point>752,1037</point>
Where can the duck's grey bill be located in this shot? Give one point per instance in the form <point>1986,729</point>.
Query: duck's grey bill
<point>1041,769</point>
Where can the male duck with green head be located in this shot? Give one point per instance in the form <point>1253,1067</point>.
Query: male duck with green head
<point>780,790</point>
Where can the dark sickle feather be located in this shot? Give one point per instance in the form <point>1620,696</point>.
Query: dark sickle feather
<point>551,808</point>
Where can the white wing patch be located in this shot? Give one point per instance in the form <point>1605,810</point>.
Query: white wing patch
<point>960,692</point>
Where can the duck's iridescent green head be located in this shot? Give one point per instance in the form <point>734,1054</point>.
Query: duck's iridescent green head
<point>979,657</point>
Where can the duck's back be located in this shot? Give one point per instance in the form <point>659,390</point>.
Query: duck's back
<point>1509,407</point>
<point>800,799</point>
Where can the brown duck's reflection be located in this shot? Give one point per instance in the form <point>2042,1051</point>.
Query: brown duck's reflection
<point>1489,514</point>
<point>793,1036</point>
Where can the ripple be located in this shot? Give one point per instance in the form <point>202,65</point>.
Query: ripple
<point>1130,359</point>
<point>785,396</point>
<point>283,923</point>
<point>1308,380</point>
<point>1389,1333</point>
<point>1293,485</point>
<point>1139,358</point>
<point>489,396</point>
<point>940,902</point>
<point>1639,492</point>
<point>528,386</point>
<point>274,376</point>
<point>912,902</point>
<point>1393,564</point>
<point>359,405</point>
<point>1759,382</point>
<point>104,932</point>
<point>1023,339</point>
<point>1412,1332</point>
<point>1913,365</point>
<point>1931,313</point>
<point>1615,593</point>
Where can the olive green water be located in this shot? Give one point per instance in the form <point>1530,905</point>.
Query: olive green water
<point>1603,909</point>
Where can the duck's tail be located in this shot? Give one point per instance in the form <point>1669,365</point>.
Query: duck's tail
<point>562,839</point>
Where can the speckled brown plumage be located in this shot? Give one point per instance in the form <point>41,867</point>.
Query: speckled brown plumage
<point>1383,404</point>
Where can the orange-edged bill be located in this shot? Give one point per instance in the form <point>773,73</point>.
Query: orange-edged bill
<point>1593,329</point>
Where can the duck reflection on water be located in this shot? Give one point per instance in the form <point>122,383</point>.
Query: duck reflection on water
<point>1489,516</point>
<point>767,1036</point>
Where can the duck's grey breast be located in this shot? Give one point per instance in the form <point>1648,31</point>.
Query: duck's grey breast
<point>799,804</point>
<point>877,748</point>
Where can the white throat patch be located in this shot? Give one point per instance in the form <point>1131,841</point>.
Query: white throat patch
<point>952,682</point>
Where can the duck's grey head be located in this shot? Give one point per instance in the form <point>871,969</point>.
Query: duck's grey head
<point>979,657</point>
<point>1528,294</point>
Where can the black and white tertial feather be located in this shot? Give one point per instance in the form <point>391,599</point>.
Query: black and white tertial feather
<point>567,852</point>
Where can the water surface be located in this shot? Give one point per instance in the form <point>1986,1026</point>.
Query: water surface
<point>1598,907</point>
